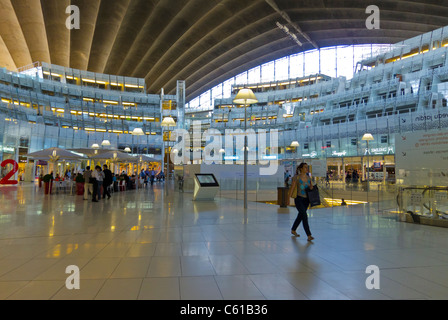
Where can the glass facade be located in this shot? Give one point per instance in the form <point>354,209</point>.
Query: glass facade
<point>383,90</point>
<point>332,61</point>
<point>52,106</point>
<point>324,99</point>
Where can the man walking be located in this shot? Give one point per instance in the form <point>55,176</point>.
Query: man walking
<point>107,181</point>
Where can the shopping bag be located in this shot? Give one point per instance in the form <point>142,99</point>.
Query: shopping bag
<point>313,196</point>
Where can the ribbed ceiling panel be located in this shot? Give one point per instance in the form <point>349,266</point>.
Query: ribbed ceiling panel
<point>203,42</point>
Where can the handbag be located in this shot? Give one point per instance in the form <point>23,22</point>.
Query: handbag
<point>294,192</point>
<point>313,196</point>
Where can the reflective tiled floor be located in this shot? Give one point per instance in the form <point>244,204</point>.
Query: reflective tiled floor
<point>159,244</point>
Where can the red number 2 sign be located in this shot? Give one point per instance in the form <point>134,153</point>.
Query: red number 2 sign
<point>5,179</point>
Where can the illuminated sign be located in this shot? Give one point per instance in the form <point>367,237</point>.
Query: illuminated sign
<point>339,154</point>
<point>380,150</point>
<point>8,149</point>
<point>310,155</point>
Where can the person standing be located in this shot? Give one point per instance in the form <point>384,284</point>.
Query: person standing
<point>94,182</point>
<point>300,182</point>
<point>88,187</point>
<point>147,173</point>
<point>287,177</point>
<point>152,176</point>
<point>100,180</point>
<point>107,181</point>
<point>98,175</point>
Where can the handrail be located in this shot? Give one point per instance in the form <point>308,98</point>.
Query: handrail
<point>415,216</point>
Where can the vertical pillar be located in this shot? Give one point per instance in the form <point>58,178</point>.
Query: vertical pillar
<point>180,97</point>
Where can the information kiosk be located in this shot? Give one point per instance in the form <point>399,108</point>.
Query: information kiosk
<point>205,186</point>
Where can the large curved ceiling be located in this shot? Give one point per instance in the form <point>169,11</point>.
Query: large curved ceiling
<point>203,42</point>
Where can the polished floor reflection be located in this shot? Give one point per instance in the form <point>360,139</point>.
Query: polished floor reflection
<point>159,244</point>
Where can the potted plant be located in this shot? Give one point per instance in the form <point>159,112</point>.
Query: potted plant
<point>48,182</point>
<point>79,184</point>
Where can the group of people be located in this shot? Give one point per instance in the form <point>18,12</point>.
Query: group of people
<point>66,176</point>
<point>96,181</point>
<point>352,176</point>
<point>100,181</point>
<point>151,175</point>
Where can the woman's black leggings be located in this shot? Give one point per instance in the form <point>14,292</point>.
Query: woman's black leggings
<point>302,206</point>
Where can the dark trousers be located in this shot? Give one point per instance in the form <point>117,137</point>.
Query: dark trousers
<point>302,205</point>
<point>95,192</point>
<point>106,190</point>
<point>100,184</point>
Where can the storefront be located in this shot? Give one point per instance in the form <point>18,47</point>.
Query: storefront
<point>380,168</point>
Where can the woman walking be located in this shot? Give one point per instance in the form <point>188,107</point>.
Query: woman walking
<point>300,182</point>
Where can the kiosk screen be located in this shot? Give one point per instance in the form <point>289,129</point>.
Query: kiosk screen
<point>207,180</point>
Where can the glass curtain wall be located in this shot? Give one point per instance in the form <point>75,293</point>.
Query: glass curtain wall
<point>335,62</point>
